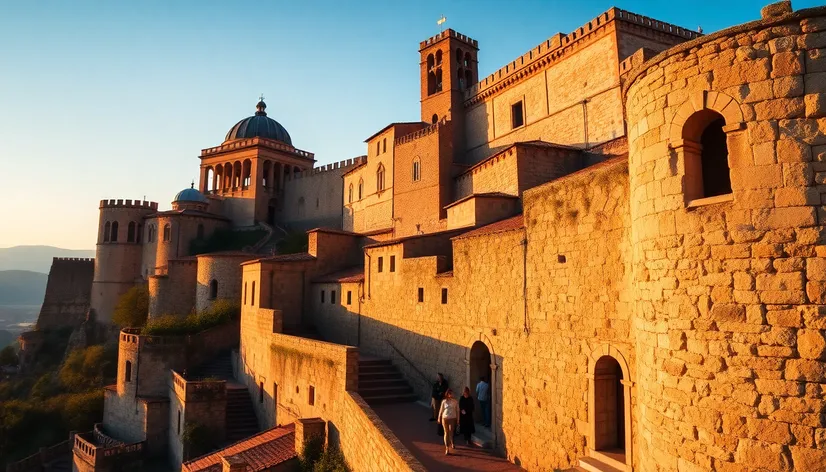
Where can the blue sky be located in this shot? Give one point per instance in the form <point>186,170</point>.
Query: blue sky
<point>116,99</point>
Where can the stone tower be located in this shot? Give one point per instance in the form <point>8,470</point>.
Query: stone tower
<point>118,254</point>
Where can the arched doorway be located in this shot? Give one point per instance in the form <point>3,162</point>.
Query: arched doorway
<point>480,362</point>
<point>609,406</point>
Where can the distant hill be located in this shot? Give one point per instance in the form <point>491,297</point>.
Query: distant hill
<point>6,338</point>
<point>22,287</point>
<point>36,258</point>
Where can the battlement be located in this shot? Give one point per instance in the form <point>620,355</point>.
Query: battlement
<point>557,45</point>
<point>120,203</point>
<point>242,143</point>
<point>448,33</point>
<point>345,164</point>
<point>420,133</point>
<point>60,260</point>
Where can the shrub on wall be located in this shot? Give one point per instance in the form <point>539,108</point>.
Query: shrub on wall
<point>197,440</point>
<point>221,312</point>
<point>132,308</point>
<point>317,458</point>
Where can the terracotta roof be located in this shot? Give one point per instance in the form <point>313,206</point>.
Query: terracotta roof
<point>260,452</point>
<point>353,274</point>
<point>482,195</point>
<point>390,242</point>
<point>394,124</point>
<point>334,231</point>
<point>508,224</point>
<point>376,231</point>
<point>535,143</point>
<point>297,257</point>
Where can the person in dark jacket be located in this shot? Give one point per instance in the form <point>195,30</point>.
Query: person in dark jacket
<point>437,394</point>
<point>466,407</point>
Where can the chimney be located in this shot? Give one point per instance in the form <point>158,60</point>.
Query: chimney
<point>305,429</point>
<point>233,464</point>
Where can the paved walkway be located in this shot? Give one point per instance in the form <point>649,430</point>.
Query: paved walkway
<point>409,423</point>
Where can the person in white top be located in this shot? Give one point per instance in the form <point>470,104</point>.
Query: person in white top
<point>483,395</point>
<point>448,417</point>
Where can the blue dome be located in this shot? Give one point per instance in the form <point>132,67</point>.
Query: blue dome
<point>190,195</point>
<point>259,125</point>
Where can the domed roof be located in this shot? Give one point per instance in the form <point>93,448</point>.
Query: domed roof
<point>190,195</point>
<point>259,125</point>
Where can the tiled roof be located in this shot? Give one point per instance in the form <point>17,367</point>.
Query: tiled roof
<point>334,231</point>
<point>390,242</point>
<point>260,452</point>
<point>535,143</point>
<point>298,257</point>
<point>481,195</point>
<point>353,274</point>
<point>508,224</point>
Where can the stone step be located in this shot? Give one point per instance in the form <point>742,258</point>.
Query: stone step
<point>380,376</point>
<point>374,362</point>
<point>372,369</point>
<point>591,464</point>
<point>382,391</point>
<point>482,438</point>
<point>384,399</point>
<point>394,382</point>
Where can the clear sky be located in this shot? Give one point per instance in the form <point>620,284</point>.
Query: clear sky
<point>116,99</point>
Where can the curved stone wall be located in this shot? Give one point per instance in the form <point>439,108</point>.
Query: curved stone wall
<point>225,268</point>
<point>173,293</point>
<point>729,290</point>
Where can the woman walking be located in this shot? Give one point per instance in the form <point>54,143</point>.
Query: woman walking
<point>466,407</point>
<point>448,417</point>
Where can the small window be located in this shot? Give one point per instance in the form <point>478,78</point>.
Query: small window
<point>179,422</point>
<point>139,233</point>
<point>444,296</point>
<point>380,178</point>
<point>245,293</point>
<point>378,147</point>
<point>167,232</point>
<point>128,371</point>
<point>421,295</point>
<point>261,392</point>
<point>434,119</point>
<point>517,115</point>
<point>114,237</point>
<point>361,188</point>
<point>151,233</point>
<point>322,296</point>
<point>350,194</point>
<point>417,169</point>
<point>107,230</point>
<point>332,297</point>
<point>130,232</point>
<point>392,263</point>
<point>384,145</point>
<point>381,264</point>
<point>275,394</point>
<point>707,172</point>
<point>213,289</point>
<point>252,295</point>
<point>311,395</point>
<point>349,297</point>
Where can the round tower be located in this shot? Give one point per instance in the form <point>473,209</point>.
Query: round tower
<point>118,253</point>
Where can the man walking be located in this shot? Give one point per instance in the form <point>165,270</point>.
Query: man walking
<point>436,396</point>
<point>483,395</point>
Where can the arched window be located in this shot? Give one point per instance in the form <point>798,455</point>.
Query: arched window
<point>459,55</point>
<point>461,76</point>
<point>139,233</point>
<point>380,178</point>
<point>431,83</point>
<point>417,169</point>
<point>438,57</point>
<point>128,371</point>
<point>468,78</point>
<point>430,61</point>
<point>350,194</point>
<point>439,80</point>
<point>114,236</point>
<point>213,289</point>
<point>107,228</point>
<point>130,232</point>
<point>707,171</point>
<point>467,60</point>
<point>151,233</point>
<point>200,234</point>
<point>167,232</point>
<point>361,188</point>
<point>252,295</point>
<point>435,118</point>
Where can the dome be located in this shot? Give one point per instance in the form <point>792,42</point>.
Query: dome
<point>259,125</point>
<point>190,195</point>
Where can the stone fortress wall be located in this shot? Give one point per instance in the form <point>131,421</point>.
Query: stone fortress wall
<point>68,293</point>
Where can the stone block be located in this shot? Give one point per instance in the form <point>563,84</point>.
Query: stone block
<point>761,455</point>
<point>793,150</point>
<point>815,105</point>
<point>787,63</point>
<point>780,108</point>
<point>769,431</point>
<point>812,25</point>
<point>816,60</point>
<point>812,40</point>
<point>777,9</point>
<point>811,344</point>
<point>788,87</point>
<point>790,217</point>
<point>786,281</point>
<point>815,82</point>
<point>810,460</point>
<point>728,313</point>
<point>764,154</point>
<point>805,369</point>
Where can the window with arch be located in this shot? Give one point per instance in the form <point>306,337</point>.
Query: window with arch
<point>114,236</point>
<point>417,169</point>
<point>361,188</point>
<point>213,289</point>
<point>430,61</point>
<point>139,234</point>
<point>439,80</point>
<point>380,178</point>
<point>107,231</point>
<point>350,194</point>
<point>130,232</point>
<point>438,57</point>
<point>378,147</point>
<point>127,372</point>
<point>466,62</point>
<point>461,75</point>
<point>167,232</point>
<point>252,294</point>
<point>200,232</point>
<point>468,78</point>
<point>434,119</point>
<point>384,145</point>
<point>707,172</point>
<point>150,233</point>
<point>459,55</point>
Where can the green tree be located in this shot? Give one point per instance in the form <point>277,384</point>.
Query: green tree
<point>132,308</point>
<point>8,356</point>
<point>84,369</point>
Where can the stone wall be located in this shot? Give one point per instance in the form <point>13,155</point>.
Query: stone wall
<point>337,319</point>
<point>313,199</point>
<point>174,292</point>
<point>195,404</point>
<point>68,293</point>
<point>225,268</point>
<point>729,291</point>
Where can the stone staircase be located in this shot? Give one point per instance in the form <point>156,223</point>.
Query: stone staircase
<point>63,464</point>
<point>603,461</point>
<point>241,421</point>
<point>380,382</point>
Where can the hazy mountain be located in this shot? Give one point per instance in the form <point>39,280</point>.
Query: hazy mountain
<point>36,258</point>
<point>22,287</point>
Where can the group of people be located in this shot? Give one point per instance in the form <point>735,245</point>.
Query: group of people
<point>451,413</point>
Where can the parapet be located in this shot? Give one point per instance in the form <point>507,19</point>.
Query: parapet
<point>120,203</point>
<point>345,164</point>
<point>60,260</point>
<point>558,44</point>
<point>420,133</point>
<point>449,33</point>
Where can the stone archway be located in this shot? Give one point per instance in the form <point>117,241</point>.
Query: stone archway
<point>480,362</point>
<point>609,408</point>
<point>480,349</point>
